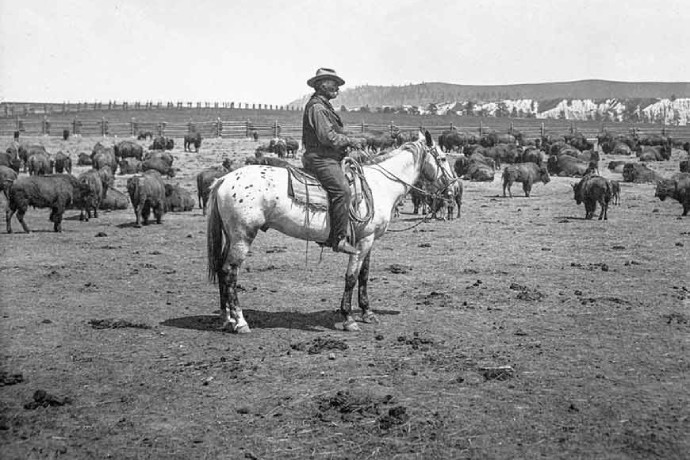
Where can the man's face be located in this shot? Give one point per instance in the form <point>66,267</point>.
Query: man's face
<point>330,88</point>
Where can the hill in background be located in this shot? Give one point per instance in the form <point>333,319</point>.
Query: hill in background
<point>423,94</point>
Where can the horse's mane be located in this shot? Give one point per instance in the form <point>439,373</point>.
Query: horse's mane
<point>411,146</point>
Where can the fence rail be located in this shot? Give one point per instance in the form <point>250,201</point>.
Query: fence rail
<point>121,127</point>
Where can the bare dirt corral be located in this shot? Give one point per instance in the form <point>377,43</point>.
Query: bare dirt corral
<point>519,331</point>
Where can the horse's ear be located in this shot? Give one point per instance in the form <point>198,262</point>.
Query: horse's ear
<point>429,139</point>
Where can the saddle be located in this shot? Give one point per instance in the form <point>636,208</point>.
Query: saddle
<point>306,190</point>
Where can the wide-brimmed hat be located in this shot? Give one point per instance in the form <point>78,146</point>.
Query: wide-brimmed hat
<point>323,74</point>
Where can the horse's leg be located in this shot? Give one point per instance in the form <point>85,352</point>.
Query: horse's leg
<point>353,272</point>
<point>367,315</point>
<point>230,311</point>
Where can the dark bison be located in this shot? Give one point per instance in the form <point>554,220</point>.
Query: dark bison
<point>532,155</point>
<point>7,176</point>
<point>40,164</point>
<point>203,184</point>
<point>527,173</point>
<point>677,188</point>
<point>192,139</point>
<point>579,141</point>
<point>57,192</point>
<point>24,152</point>
<point>163,143</point>
<point>128,149</point>
<point>160,165</point>
<point>473,169</point>
<point>63,163</point>
<point>10,161</point>
<point>448,199</point>
<point>291,147</point>
<point>130,166</point>
<point>143,135</point>
<point>639,173</point>
<point>147,193</point>
<point>84,159</point>
<point>655,153</point>
<point>565,165</point>
<point>165,156</point>
<point>617,166</point>
<point>105,158</point>
<point>278,146</point>
<point>114,199</point>
<point>98,181</point>
<point>177,199</point>
<point>685,166</point>
<point>590,191</point>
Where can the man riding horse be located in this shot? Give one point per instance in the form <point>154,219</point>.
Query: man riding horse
<point>325,147</point>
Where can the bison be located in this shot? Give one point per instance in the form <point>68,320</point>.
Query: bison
<point>203,184</point>
<point>105,158</point>
<point>25,151</point>
<point>114,199</point>
<point>684,166</point>
<point>128,149</point>
<point>40,164</point>
<point>192,139</point>
<point>7,176</point>
<point>84,159</point>
<point>163,143</point>
<point>57,192</point>
<point>678,188</point>
<point>527,173</point>
<point>639,173</point>
<point>98,181</point>
<point>147,193</point>
<point>565,165</point>
<point>63,163</point>
<point>130,166</point>
<point>590,191</point>
<point>177,199</point>
<point>10,161</point>
<point>655,153</point>
<point>160,165</point>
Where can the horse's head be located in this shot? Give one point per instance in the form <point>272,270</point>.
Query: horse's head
<point>435,169</point>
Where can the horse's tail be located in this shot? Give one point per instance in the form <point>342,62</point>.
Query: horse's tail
<point>214,234</point>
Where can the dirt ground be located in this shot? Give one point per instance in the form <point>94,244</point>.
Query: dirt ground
<point>519,331</point>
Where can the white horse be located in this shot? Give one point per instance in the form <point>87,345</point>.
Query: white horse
<point>254,198</point>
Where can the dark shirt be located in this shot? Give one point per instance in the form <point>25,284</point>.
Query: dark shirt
<point>322,130</point>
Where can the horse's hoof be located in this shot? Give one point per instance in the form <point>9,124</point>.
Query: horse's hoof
<point>370,318</point>
<point>244,329</point>
<point>351,326</point>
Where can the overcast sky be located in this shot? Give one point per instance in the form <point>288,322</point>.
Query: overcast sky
<point>263,51</point>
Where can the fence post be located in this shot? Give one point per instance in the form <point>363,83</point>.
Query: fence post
<point>481,128</point>
<point>543,131</point>
<point>451,126</point>
<point>511,127</point>
<point>219,128</point>
<point>161,128</point>
<point>362,126</point>
<point>572,128</point>
<point>276,129</point>
<point>133,127</point>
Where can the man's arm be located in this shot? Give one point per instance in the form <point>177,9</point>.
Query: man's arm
<point>326,130</point>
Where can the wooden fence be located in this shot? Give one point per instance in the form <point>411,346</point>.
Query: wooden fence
<point>120,127</point>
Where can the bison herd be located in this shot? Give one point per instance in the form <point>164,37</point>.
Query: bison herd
<point>31,176</point>
<point>49,182</point>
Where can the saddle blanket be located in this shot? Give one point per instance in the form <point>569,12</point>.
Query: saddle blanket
<point>307,190</point>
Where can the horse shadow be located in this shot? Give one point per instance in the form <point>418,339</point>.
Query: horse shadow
<point>310,322</point>
<point>567,218</point>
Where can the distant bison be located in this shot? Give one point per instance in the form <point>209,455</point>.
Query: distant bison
<point>98,181</point>
<point>57,192</point>
<point>147,193</point>
<point>590,191</point>
<point>162,143</point>
<point>192,139</point>
<point>203,184</point>
<point>130,166</point>
<point>114,199</point>
<point>128,149</point>
<point>40,164</point>
<point>565,165</point>
<point>63,163</point>
<point>639,173</point>
<point>84,159</point>
<point>527,173</point>
<point>160,165</point>
<point>677,188</point>
<point>177,199</point>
